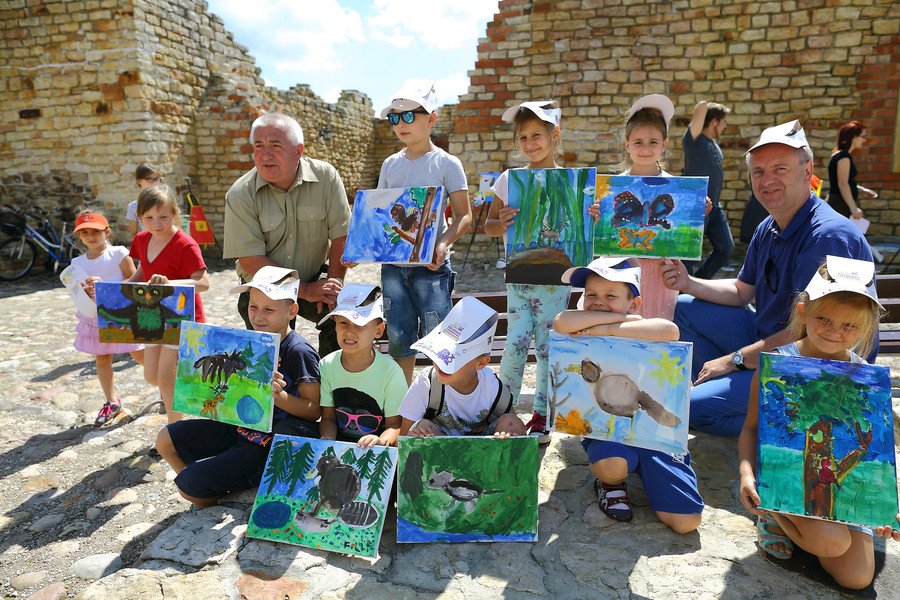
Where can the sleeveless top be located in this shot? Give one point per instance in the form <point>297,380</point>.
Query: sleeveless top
<point>835,198</point>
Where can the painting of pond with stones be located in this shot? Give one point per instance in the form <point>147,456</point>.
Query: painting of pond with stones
<point>140,313</point>
<point>398,226</point>
<point>826,440</point>
<point>552,230</point>
<point>226,374</point>
<point>324,494</point>
<point>634,392</point>
<point>467,489</point>
<point>648,217</point>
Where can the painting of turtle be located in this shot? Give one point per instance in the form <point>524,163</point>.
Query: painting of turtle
<point>552,230</point>
<point>650,216</point>
<point>634,392</point>
<point>826,440</point>
<point>225,374</point>
<point>324,494</point>
<point>467,489</point>
<point>395,226</point>
<point>142,313</point>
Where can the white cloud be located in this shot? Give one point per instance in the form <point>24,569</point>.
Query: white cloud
<point>451,87</point>
<point>297,36</point>
<point>442,24</point>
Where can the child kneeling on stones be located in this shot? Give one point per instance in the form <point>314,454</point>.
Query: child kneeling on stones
<point>213,458</point>
<point>361,388</point>
<point>611,299</point>
<point>459,395</point>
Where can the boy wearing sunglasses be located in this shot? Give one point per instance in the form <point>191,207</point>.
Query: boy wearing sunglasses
<point>212,458</point>
<point>361,388</point>
<point>418,297</point>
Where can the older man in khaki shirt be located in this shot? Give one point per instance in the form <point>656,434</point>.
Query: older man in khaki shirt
<point>290,211</point>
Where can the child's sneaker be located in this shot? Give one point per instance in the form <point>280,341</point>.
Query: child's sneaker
<point>108,412</point>
<point>613,500</point>
<point>537,427</point>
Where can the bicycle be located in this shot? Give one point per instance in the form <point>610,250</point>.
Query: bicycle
<point>18,254</point>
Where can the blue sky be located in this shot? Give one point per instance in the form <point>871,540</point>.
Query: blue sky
<point>372,47</point>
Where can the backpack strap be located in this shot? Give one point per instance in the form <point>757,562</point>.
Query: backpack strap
<point>502,402</point>
<point>435,395</point>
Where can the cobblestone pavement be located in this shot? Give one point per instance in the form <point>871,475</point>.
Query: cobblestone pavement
<point>88,513</point>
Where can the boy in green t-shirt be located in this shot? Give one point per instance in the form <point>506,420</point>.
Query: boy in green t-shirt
<point>361,389</point>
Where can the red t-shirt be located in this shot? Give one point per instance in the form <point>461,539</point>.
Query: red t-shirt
<point>179,259</point>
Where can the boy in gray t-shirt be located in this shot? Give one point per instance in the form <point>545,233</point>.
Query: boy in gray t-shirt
<point>419,296</point>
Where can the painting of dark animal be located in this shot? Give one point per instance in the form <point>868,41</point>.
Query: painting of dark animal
<point>217,368</point>
<point>138,313</point>
<point>338,485</point>
<point>460,490</point>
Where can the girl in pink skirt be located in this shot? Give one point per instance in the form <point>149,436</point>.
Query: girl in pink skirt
<point>102,262</point>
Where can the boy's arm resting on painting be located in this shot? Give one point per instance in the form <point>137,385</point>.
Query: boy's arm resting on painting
<point>598,323</point>
<point>306,405</point>
<point>328,424</point>
<point>420,428</point>
<point>747,445</point>
<point>388,437</point>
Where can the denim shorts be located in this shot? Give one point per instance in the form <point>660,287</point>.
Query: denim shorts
<point>414,298</point>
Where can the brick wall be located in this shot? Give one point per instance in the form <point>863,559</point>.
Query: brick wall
<point>821,61</point>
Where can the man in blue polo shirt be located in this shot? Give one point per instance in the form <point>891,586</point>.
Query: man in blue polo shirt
<point>786,249</point>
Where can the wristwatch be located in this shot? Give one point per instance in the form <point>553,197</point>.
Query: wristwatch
<point>737,359</point>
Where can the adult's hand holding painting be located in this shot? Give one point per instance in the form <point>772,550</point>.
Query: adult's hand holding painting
<point>553,229</point>
<point>648,217</point>
<point>826,440</point>
<point>310,496</point>
<point>226,374</point>
<point>630,391</point>
<point>395,226</point>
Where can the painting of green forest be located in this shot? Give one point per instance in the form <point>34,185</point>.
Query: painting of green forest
<point>324,494</point>
<point>826,440</point>
<point>226,374</point>
<point>467,489</point>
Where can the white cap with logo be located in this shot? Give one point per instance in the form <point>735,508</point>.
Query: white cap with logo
<point>411,96</point>
<point>466,333</point>
<point>790,134</point>
<point>844,275</point>
<point>350,304</point>
<point>541,108</point>
<point>611,268</point>
<point>278,283</point>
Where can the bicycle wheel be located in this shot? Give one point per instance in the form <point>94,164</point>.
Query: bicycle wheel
<point>16,258</point>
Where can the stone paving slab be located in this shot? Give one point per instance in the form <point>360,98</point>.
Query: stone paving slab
<point>74,498</point>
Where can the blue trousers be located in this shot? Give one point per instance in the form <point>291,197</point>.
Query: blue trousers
<point>719,235</point>
<point>718,406</point>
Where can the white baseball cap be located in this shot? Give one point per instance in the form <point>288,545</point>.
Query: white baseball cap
<point>541,109</point>
<point>350,304</point>
<point>278,283</point>
<point>411,96</point>
<point>657,101</point>
<point>844,275</point>
<point>466,333</point>
<point>611,268</point>
<point>790,134</point>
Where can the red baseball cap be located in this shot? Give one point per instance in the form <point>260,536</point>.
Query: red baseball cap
<point>91,221</point>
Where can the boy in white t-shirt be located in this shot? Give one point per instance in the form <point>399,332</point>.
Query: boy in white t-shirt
<point>361,388</point>
<point>459,395</point>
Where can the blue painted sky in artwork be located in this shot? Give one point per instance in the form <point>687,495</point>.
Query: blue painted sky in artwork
<point>773,409</point>
<point>634,358</point>
<point>318,447</point>
<point>109,295</point>
<point>367,239</point>
<point>218,340</point>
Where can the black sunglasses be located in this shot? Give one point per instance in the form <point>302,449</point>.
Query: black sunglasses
<point>770,272</point>
<point>408,116</point>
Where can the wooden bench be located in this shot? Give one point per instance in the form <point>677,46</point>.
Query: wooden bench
<point>888,287</point>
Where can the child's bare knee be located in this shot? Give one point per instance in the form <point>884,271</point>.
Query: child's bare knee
<point>680,523</point>
<point>610,470</point>
<point>829,541</point>
<point>855,580</point>
<point>164,443</point>
<point>511,424</point>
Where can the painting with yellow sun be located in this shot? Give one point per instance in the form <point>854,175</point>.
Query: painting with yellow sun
<point>634,392</point>
<point>226,374</point>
